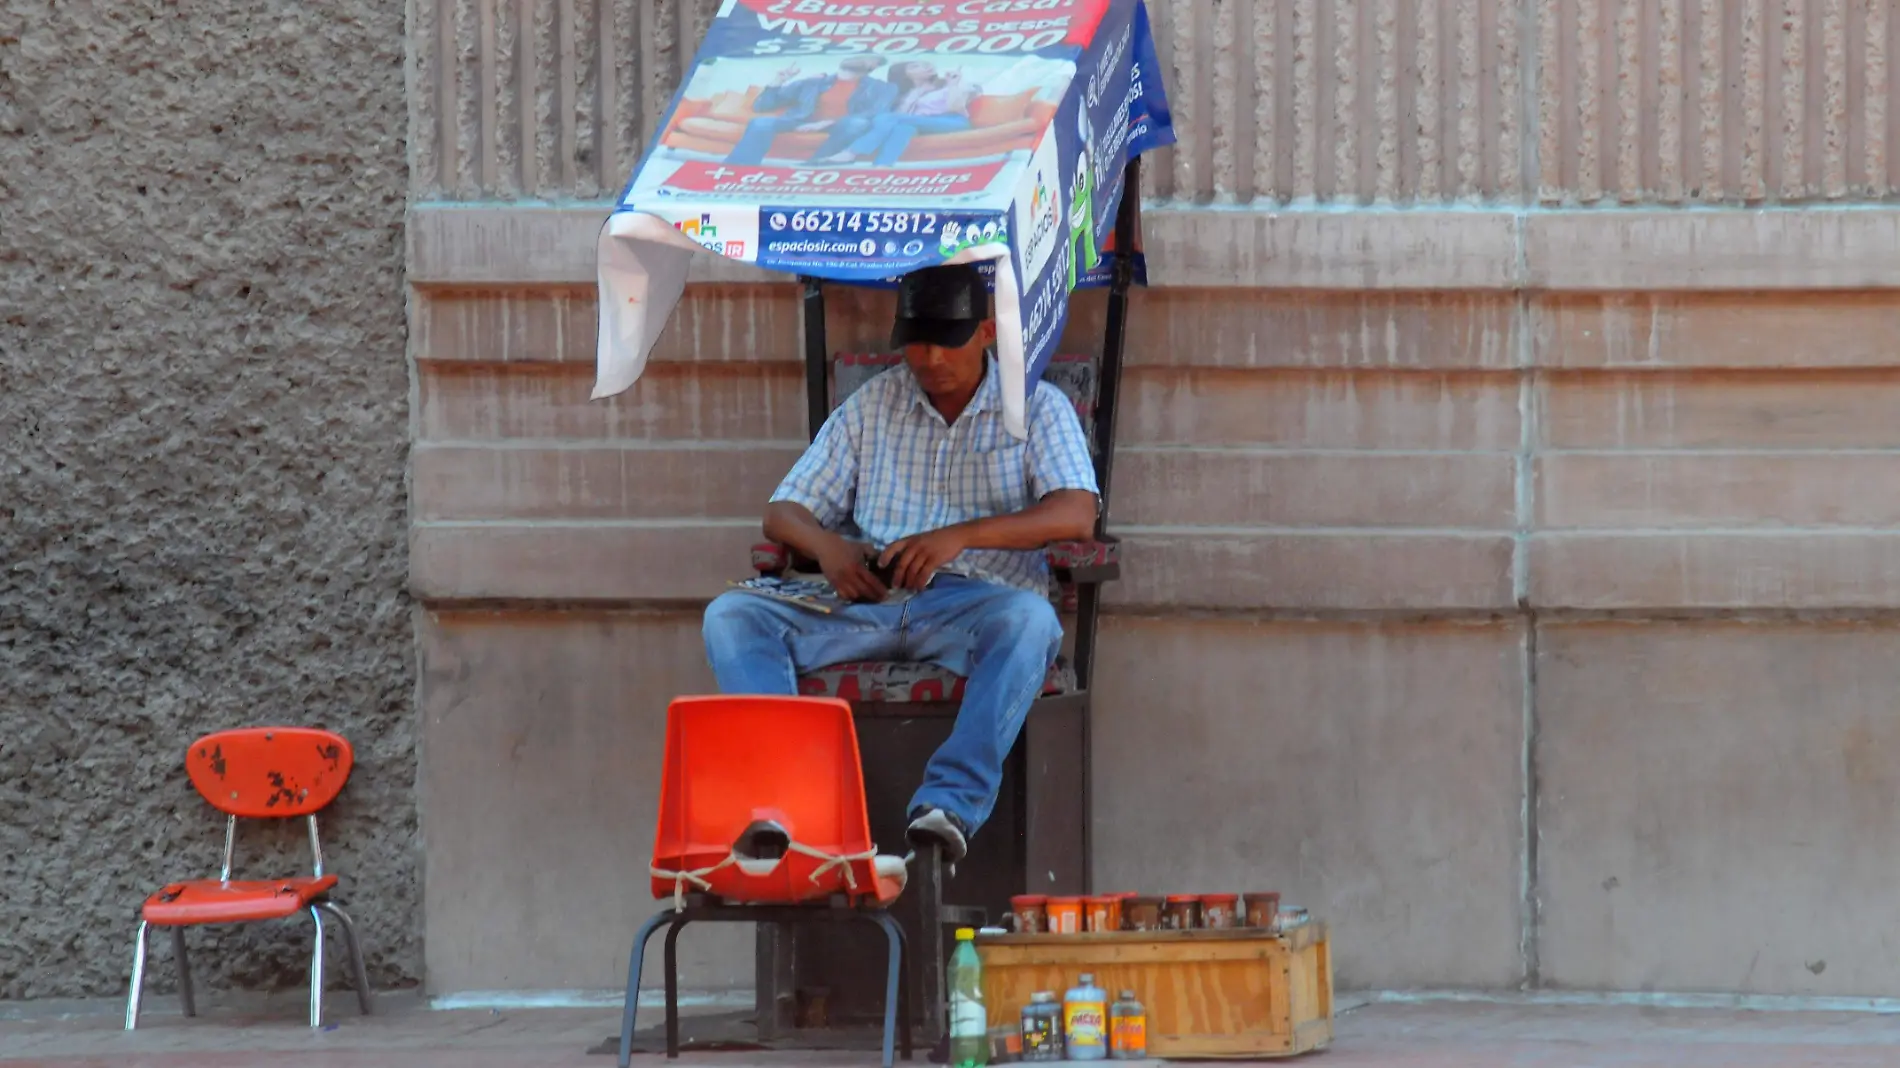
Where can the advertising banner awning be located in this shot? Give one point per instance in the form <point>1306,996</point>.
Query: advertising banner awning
<point>860,141</point>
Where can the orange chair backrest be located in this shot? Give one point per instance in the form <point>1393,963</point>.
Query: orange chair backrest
<point>269,771</point>
<point>732,760</point>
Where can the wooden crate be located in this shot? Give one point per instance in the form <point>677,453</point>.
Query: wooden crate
<point>1240,993</point>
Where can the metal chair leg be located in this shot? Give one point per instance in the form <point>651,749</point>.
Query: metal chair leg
<point>138,979</point>
<point>673,989</point>
<point>359,971</point>
<point>903,991</point>
<point>185,999</point>
<point>892,981</point>
<point>634,961</point>
<point>316,970</point>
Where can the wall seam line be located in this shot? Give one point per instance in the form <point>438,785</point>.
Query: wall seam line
<point>1525,492</point>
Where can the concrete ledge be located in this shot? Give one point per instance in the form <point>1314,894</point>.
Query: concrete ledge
<point>1782,409</point>
<point>577,563</point>
<point>499,244</point>
<point>671,402</point>
<point>1708,570</point>
<point>1785,248</point>
<point>1368,248</point>
<point>557,324</point>
<point>1337,490</point>
<point>1345,570</point>
<point>664,481</point>
<point>619,562</point>
<point>1332,249</point>
<point>1670,490</point>
<point>1321,330</point>
<point>1743,329</point>
<point>1270,571</point>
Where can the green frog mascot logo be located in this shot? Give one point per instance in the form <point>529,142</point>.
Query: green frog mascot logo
<point>1082,202</point>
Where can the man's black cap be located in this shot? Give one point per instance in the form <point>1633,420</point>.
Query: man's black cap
<point>940,306</point>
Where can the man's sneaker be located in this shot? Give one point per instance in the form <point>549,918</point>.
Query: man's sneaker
<point>943,828</point>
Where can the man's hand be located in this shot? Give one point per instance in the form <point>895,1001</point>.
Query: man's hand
<point>844,564</point>
<point>786,75</point>
<point>814,127</point>
<point>915,559</point>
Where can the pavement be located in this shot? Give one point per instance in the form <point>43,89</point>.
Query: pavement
<point>1434,1034</point>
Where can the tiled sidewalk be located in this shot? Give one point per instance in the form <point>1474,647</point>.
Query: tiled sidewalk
<point>1437,1035</point>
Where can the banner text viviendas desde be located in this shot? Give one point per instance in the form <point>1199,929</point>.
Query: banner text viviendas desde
<point>952,26</point>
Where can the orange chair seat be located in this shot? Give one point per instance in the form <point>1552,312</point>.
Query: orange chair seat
<point>211,901</point>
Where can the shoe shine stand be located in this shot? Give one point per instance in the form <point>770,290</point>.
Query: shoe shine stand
<point>1037,840</point>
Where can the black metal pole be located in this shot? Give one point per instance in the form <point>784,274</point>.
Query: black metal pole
<point>817,359</point>
<point>1108,391</point>
<point>1107,397</point>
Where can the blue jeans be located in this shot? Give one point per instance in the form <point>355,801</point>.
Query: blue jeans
<point>756,141</point>
<point>1000,638</point>
<point>890,134</point>
<point>842,134</point>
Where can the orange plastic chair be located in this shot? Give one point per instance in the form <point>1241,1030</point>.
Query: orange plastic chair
<point>762,801</point>
<point>763,820</point>
<point>269,773</point>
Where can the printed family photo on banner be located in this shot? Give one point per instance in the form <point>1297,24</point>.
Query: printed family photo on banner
<point>924,125</point>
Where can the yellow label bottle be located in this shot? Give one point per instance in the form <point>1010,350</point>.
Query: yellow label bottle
<point>1085,1021</point>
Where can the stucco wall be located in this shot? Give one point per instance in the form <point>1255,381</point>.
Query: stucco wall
<point>203,435</point>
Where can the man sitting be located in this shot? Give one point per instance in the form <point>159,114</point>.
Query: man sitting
<point>800,103</point>
<point>918,465</point>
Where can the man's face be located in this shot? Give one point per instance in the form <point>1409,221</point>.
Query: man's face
<point>852,71</point>
<point>950,371</point>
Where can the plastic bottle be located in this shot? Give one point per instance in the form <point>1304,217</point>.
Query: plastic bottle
<point>969,1021</point>
<point>1128,1028</point>
<point>1085,1020</point>
<point>1042,1028</point>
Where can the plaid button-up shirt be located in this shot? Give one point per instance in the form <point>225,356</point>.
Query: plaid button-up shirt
<point>886,466</point>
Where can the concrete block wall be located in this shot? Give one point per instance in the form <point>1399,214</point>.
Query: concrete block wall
<point>1509,577</point>
<point>1683,102</point>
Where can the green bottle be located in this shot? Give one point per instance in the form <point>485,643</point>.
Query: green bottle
<point>969,1020</point>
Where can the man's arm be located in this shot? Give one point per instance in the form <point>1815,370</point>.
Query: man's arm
<point>818,494</point>
<point>1062,515</point>
<point>842,560</point>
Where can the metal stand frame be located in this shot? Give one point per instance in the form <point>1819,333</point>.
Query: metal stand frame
<point>934,916</point>
<point>702,909</point>
<point>1057,724</point>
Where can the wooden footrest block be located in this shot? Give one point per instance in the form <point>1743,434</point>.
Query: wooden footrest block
<point>1241,993</point>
